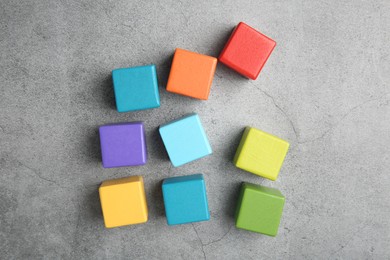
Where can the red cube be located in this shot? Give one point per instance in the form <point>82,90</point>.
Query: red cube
<point>246,51</point>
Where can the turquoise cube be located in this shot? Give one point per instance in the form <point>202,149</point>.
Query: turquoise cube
<point>136,88</point>
<point>185,199</point>
<point>185,140</point>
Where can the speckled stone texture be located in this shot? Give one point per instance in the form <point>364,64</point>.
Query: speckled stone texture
<point>325,89</point>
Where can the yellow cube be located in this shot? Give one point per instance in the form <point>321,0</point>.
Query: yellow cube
<point>123,202</point>
<point>261,153</point>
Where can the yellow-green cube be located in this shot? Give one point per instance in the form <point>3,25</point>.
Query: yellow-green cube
<point>261,153</point>
<point>259,209</point>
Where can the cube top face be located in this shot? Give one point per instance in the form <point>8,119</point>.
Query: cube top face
<point>136,88</point>
<point>185,199</point>
<point>123,144</point>
<point>246,51</point>
<point>185,140</point>
<point>259,209</point>
<point>261,153</point>
<point>123,202</point>
<point>191,74</point>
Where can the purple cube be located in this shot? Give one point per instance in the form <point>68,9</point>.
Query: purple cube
<point>123,144</point>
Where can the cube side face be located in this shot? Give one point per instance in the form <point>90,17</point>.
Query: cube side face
<point>247,51</point>
<point>136,88</point>
<point>239,202</point>
<point>263,189</point>
<point>123,145</point>
<point>185,200</point>
<point>259,211</point>
<point>185,140</point>
<point>262,154</point>
<point>241,145</point>
<point>185,178</point>
<point>124,180</point>
<point>191,74</point>
<point>123,203</point>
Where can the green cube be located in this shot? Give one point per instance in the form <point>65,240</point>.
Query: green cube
<point>259,209</point>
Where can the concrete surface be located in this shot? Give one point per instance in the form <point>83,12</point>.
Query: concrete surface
<point>325,89</point>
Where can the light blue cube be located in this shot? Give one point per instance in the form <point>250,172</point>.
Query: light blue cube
<point>185,199</point>
<point>185,140</point>
<point>136,88</point>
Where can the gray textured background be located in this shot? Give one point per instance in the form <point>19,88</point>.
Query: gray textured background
<point>325,89</point>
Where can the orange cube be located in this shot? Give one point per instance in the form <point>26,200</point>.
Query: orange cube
<point>191,74</point>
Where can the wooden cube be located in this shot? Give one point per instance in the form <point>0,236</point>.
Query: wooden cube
<point>185,140</point>
<point>191,74</point>
<point>136,88</point>
<point>259,209</point>
<point>185,199</point>
<point>261,153</point>
<point>123,144</point>
<point>123,201</point>
<point>246,51</point>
